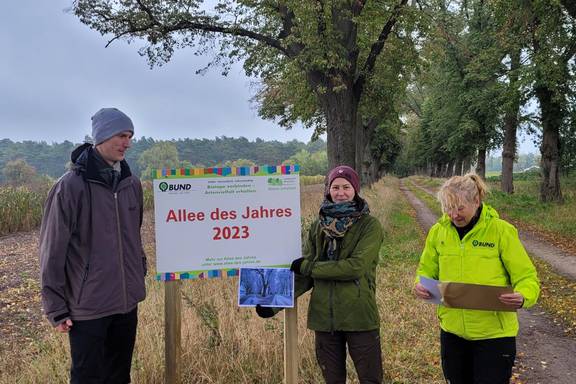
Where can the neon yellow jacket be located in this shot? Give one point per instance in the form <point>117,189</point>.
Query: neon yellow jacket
<point>490,254</point>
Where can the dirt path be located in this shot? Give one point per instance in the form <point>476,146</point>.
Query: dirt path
<point>545,355</point>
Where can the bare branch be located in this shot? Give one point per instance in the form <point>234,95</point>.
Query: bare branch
<point>287,17</point>
<point>357,7</point>
<point>148,12</point>
<point>188,25</point>
<point>235,31</point>
<point>378,46</point>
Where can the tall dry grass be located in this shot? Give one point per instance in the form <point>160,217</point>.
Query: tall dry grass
<point>222,343</point>
<point>311,180</point>
<point>20,208</point>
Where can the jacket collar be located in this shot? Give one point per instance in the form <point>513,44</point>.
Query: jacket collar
<point>487,213</point>
<point>84,162</point>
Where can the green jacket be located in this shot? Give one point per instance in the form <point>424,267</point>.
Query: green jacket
<point>344,290</point>
<point>490,254</point>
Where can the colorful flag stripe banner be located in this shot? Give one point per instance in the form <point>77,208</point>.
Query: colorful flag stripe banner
<point>268,170</point>
<point>193,275</point>
<point>200,275</point>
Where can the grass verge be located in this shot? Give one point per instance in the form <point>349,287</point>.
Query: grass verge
<point>222,343</point>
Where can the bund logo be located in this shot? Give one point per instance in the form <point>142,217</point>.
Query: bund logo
<point>484,244</point>
<point>164,186</point>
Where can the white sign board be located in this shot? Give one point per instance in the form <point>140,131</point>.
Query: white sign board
<point>227,219</point>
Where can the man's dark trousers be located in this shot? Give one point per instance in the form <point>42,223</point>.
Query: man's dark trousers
<point>102,349</point>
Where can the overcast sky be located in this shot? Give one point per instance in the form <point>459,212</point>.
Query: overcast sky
<point>55,73</point>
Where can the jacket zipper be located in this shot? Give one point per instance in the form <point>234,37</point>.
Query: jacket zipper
<point>461,277</point>
<point>332,307</point>
<point>462,248</point>
<point>121,252</point>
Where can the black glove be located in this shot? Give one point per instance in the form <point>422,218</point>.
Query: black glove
<point>264,312</point>
<point>295,266</point>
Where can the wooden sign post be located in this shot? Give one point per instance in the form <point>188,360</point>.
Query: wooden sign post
<point>172,331</point>
<point>291,345</point>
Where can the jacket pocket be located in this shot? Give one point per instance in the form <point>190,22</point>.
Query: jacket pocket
<point>83,282</point>
<point>357,284</point>
<point>500,320</point>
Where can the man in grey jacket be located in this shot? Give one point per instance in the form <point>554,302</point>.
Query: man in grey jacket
<point>91,256</point>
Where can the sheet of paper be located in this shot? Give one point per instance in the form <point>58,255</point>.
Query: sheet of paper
<point>474,296</point>
<point>432,286</point>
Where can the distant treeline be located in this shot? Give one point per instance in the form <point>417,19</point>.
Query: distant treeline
<point>522,162</point>
<point>51,159</point>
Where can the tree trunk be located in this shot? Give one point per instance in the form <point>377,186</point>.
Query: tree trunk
<point>511,126</point>
<point>466,164</point>
<point>450,170</point>
<point>367,163</point>
<point>552,116</point>
<point>438,170</point>
<point>340,107</point>
<point>551,99</point>
<point>458,166</point>
<point>481,163</point>
<point>445,169</point>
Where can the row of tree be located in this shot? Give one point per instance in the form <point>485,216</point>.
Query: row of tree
<point>437,83</point>
<point>491,69</point>
<point>26,163</point>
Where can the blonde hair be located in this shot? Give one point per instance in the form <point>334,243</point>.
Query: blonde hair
<point>461,189</point>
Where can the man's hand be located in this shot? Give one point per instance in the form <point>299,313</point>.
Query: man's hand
<point>515,300</point>
<point>65,326</point>
<point>422,292</point>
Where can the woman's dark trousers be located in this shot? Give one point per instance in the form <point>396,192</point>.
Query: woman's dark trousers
<point>364,348</point>
<point>488,361</point>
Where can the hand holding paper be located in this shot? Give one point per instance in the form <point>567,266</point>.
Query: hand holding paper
<point>431,287</point>
<point>515,299</point>
<point>472,296</point>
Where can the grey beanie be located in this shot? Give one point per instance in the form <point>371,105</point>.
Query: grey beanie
<point>109,122</point>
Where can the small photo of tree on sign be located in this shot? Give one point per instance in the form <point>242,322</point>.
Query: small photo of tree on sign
<point>269,287</point>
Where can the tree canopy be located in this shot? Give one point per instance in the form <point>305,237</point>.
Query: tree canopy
<point>328,53</point>
<point>434,84</point>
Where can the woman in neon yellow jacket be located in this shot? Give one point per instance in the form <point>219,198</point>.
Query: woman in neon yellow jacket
<point>471,244</point>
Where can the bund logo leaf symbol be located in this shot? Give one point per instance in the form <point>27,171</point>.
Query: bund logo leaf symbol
<point>163,186</point>
<point>485,244</point>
